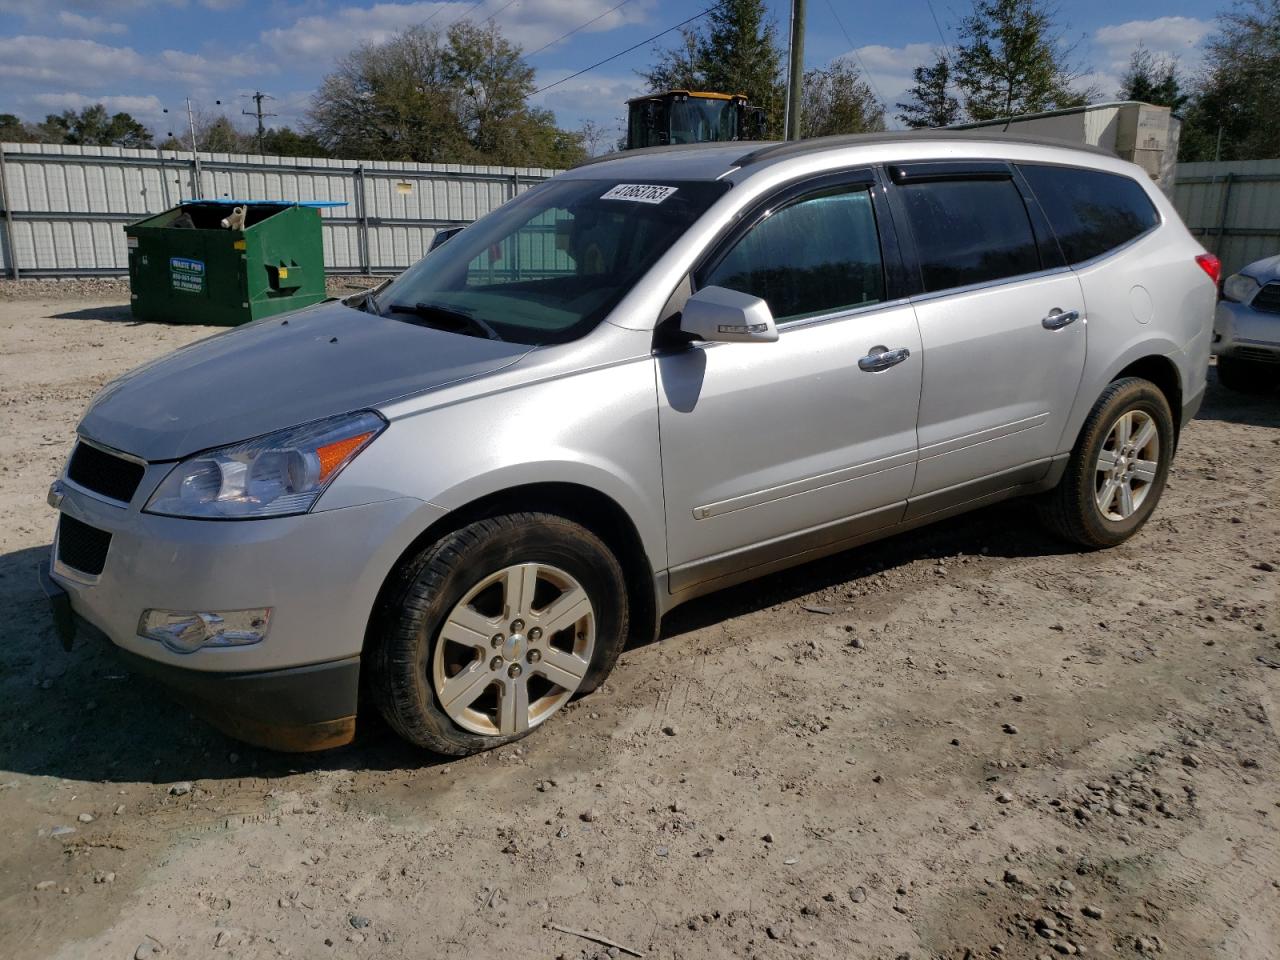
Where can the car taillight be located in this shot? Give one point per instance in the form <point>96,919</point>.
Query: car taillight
<point>1210,265</point>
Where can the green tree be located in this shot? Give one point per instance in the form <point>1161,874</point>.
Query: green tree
<point>735,50</point>
<point>677,68</point>
<point>930,102</point>
<point>287,142</point>
<point>94,127</point>
<point>457,97</point>
<point>1152,79</point>
<point>1231,114</point>
<point>14,130</point>
<point>838,99</point>
<point>1011,60</point>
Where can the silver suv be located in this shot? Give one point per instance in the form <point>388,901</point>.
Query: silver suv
<point>646,379</point>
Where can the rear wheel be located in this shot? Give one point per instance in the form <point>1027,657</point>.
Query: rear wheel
<point>1118,468</point>
<point>494,628</point>
<point>1247,376</point>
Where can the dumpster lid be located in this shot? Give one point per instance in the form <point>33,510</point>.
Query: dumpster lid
<point>270,203</point>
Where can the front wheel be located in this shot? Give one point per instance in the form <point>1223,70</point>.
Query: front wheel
<point>1118,468</point>
<point>494,628</point>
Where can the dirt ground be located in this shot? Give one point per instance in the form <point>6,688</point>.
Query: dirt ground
<point>970,741</point>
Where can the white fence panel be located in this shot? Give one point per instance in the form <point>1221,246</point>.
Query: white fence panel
<point>66,206</point>
<point>1232,207</point>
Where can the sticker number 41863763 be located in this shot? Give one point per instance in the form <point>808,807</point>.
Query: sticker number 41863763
<point>638,192</point>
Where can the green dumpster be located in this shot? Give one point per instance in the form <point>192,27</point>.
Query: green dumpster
<point>185,266</point>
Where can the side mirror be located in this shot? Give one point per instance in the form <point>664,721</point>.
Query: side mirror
<point>718,315</point>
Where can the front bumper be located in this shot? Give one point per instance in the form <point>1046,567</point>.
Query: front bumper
<point>319,572</point>
<point>1240,331</point>
<point>297,710</point>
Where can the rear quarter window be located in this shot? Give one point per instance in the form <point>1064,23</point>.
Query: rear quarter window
<point>1092,212</point>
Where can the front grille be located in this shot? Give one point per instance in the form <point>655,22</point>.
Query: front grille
<point>104,473</point>
<point>1267,299</point>
<point>81,546</point>
<point>1258,353</point>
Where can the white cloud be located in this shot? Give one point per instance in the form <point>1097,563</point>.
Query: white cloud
<point>530,23</point>
<point>88,64</point>
<point>889,70</point>
<point>1172,36</point>
<point>144,108</point>
<point>38,8</point>
<point>601,98</point>
<point>1176,37</point>
<point>89,25</point>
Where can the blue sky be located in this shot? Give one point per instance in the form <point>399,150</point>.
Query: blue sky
<point>145,55</point>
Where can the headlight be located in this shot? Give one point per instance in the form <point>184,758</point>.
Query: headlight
<point>273,476</point>
<point>1239,288</point>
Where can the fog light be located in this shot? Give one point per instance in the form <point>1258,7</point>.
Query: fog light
<point>185,631</point>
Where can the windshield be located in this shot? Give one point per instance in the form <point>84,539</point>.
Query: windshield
<point>548,266</point>
<point>703,119</point>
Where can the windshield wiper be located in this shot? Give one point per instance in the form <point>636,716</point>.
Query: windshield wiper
<point>433,314</point>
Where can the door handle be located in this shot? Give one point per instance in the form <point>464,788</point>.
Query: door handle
<point>1057,319</point>
<point>882,358</point>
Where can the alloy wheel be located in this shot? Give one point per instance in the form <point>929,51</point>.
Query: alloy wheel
<point>1127,465</point>
<point>514,649</point>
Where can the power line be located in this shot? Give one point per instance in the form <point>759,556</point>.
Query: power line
<point>854,50</point>
<point>465,13</point>
<point>501,9</point>
<point>581,26</point>
<point>634,46</point>
<point>936,23</point>
<point>434,15</point>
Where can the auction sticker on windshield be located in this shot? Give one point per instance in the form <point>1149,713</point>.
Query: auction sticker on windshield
<point>639,192</point>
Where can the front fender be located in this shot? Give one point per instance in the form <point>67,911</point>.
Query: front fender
<point>597,429</point>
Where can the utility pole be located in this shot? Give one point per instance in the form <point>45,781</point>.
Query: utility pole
<point>795,72</point>
<point>257,98</point>
<point>197,177</point>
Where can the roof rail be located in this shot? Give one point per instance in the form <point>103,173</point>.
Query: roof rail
<point>792,148</point>
<point>647,151</point>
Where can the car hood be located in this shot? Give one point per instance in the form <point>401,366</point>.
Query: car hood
<point>1264,270</point>
<point>280,372</point>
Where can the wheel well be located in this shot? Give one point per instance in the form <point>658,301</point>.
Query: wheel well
<point>587,506</point>
<point>1162,372</point>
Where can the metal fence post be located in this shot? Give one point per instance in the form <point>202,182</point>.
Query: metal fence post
<point>10,249</point>
<point>362,217</point>
<point>1222,213</point>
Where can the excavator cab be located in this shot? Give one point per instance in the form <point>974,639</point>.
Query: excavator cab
<point>687,116</point>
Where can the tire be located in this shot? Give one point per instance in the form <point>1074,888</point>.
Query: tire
<point>1247,376</point>
<point>443,685</point>
<point>1072,509</point>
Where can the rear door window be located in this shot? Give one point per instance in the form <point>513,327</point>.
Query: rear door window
<point>1091,211</point>
<point>820,254</point>
<point>969,231</point>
